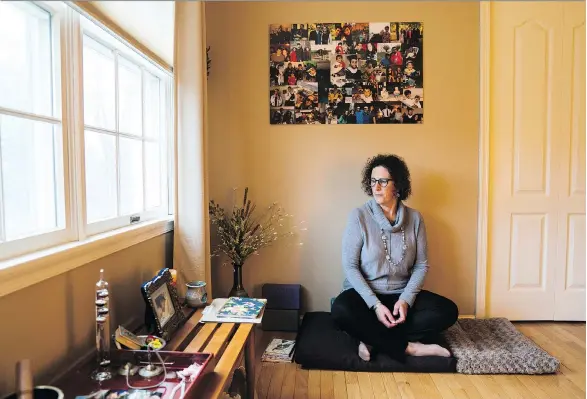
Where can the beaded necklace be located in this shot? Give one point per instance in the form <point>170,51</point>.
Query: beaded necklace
<point>388,252</point>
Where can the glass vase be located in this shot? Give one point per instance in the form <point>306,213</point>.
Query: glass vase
<point>237,285</point>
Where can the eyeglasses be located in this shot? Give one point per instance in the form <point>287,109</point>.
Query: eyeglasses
<point>382,182</point>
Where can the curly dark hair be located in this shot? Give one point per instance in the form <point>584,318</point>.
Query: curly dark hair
<point>398,170</point>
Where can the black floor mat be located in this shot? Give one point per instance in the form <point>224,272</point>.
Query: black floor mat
<point>322,345</point>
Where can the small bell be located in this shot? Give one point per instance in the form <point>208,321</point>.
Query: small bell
<point>387,257</point>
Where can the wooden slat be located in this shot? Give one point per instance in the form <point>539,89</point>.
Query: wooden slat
<point>377,385</point>
<point>365,385</point>
<point>326,385</point>
<point>391,387</point>
<point>193,317</point>
<point>263,380</point>
<point>431,391</point>
<point>220,338</point>
<point>449,387</point>
<point>339,384</point>
<point>289,381</point>
<point>513,387</point>
<point>487,387</point>
<point>276,381</point>
<point>404,386</point>
<point>202,338</point>
<point>467,385</point>
<point>533,387</point>
<point>352,385</point>
<point>314,384</point>
<point>214,382</point>
<point>301,391</point>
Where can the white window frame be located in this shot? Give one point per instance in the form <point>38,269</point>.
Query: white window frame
<point>59,97</point>
<point>120,50</point>
<point>33,259</point>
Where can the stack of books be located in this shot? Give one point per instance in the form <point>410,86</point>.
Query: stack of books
<point>279,351</point>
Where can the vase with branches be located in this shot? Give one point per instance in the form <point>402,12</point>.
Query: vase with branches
<point>242,232</point>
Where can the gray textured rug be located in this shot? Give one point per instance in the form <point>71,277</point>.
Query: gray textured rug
<point>495,346</point>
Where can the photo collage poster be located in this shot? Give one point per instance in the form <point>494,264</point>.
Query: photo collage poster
<point>346,73</point>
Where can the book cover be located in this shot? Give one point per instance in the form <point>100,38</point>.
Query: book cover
<point>127,338</point>
<point>280,347</point>
<point>246,308</point>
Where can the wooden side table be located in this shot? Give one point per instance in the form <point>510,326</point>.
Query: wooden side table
<point>232,345</point>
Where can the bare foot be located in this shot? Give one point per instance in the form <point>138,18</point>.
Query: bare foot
<point>364,352</point>
<point>419,349</point>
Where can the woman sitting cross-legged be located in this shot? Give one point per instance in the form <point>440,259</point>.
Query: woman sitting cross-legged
<point>385,263</point>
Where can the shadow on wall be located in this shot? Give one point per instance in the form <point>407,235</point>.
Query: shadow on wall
<point>321,262</point>
<point>442,238</point>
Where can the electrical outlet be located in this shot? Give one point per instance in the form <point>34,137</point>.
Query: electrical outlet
<point>135,219</point>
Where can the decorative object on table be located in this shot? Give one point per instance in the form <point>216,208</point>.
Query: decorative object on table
<point>283,307</point>
<point>102,304</point>
<point>311,64</point>
<point>241,233</point>
<point>173,277</point>
<point>244,308</point>
<point>196,295</point>
<point>210,314</point>
<point>127,338</point>
<point>180,373</point>
<point>163,304</point>
<point>279,351</point>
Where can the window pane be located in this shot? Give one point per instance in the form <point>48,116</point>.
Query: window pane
<point>129,98</point>
<point>153,178</point>
<point>99,100</point>
<point>32,177</point>
<point>131,176</point>
<point>100,176</point>
<point>25,58</point>
<point>152,106</point>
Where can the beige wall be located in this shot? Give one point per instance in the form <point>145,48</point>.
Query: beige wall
<point>315,170</point>
<point>52,323</point>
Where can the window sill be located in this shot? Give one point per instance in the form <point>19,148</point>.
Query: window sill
<point>26,270</point>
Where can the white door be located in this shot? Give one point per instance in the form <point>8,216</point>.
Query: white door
<point>536,236</point>
<point>570,270</point>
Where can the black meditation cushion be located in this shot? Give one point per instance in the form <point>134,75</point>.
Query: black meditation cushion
<point>322,345</point>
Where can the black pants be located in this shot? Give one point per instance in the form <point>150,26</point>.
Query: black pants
<point>430,315</point>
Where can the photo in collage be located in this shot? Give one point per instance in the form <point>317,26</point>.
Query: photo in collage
<point>346,73</point>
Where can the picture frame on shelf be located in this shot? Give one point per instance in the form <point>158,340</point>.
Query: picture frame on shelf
<point>163,304</point>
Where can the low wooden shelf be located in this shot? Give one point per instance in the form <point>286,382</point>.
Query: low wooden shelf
<point>232,345</point>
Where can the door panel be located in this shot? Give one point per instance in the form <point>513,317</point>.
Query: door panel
<point>526,49</point>
<point>570,276</point>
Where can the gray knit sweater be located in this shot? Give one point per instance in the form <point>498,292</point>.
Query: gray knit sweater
<point>364,257</point>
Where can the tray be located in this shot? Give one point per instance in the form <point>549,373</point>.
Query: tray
<point>174,361</point>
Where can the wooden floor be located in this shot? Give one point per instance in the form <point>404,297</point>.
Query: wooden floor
<point>566,341</point>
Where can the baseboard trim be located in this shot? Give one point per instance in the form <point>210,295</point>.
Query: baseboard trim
<point>467,316</point>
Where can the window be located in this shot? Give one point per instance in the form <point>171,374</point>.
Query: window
<point>84,134</point>
<point>32,179</point>
<point>125,147</point>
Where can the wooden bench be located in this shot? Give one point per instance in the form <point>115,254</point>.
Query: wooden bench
<point>233,346</point>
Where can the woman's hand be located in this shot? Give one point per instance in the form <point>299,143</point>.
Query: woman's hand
<point>401,308</point>
<point>384,316</point>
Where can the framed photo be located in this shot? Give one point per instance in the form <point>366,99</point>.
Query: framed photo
<point>346,73</point>
<point>163,304</point>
